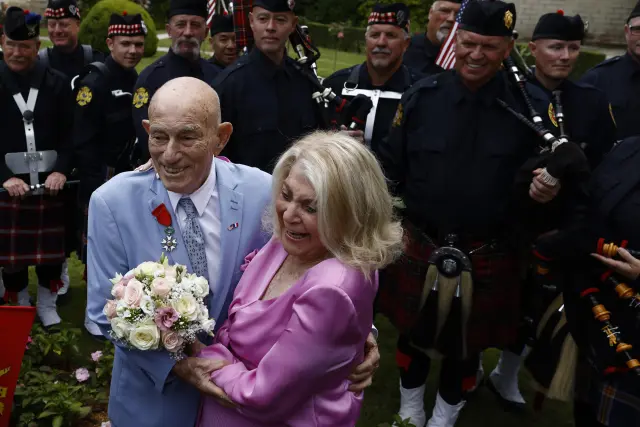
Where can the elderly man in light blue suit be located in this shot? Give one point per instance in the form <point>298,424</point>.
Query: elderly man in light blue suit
<point>226,201</point>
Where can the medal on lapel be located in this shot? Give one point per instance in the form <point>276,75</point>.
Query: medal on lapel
<point>163,217</point>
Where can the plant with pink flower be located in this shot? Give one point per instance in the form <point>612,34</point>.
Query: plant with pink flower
<point>96,356</point>
<point>82,374</point>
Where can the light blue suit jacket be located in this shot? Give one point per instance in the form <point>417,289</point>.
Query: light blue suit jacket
<point>122,234</point>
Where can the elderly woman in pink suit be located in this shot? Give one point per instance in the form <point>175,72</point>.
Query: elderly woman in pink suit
<point>303,309</point>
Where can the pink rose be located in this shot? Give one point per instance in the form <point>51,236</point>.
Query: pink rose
<point>165,318</point>
<point>110,309</point>
<point>96,356</point>
<point>172,341</point>
<point>340,35</point>
<point>248,259</point>
<point>29,341</point>
<point>118,290</point>
<point>82,374</point>
<point>133,293</point>
<point>160,287</point>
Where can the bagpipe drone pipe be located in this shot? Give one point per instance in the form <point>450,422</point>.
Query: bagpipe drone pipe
<point>593,311</point>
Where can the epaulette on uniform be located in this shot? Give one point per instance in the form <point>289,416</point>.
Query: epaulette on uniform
<point>241,62</point>
<point>427,83</point>
<point>345,72</point>
<point>608,62</point>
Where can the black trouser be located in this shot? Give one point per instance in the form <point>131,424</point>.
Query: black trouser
<point>454,374</point>
<point>583,415</point>
<point>17,280</point>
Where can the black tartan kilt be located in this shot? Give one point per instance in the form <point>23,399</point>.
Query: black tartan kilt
<point>32,230</point>
<point>496,312</point>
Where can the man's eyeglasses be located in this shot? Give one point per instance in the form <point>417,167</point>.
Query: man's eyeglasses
<point>635,30</point>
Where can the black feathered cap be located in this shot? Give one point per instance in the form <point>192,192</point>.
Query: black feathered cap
<point>221,24</point>
<point>59,9</point>
<point>634,13</point>
<point>275,5</point>
<point>20,24</point>
<point>188,7</point>
<point>489,18</point>
<point>126,25</point>
<point>393,14</point>
<point>558,26</point>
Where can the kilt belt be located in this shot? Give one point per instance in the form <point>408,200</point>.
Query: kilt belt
<point>489,314</point>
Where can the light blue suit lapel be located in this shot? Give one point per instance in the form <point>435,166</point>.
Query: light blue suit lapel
<point>159,195</point>
<point>231,203</point>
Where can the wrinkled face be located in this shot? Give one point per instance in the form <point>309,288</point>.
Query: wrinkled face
<point>296,211</point>
<point>271,30</point>
<point>478,58</point>
<point>224,47</point>
<point>64,32</point>
<point>187,33</point>
<point>386,45</point>
<point>20,55</point>
<point>181,144</point>
<point>126,51</point>
<point>632,34</point>
<point>442,16</point>
<point>555,58</point>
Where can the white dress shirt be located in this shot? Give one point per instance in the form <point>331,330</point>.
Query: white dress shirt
<point>206,201</point>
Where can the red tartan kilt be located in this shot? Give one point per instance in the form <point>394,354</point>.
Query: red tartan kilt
<point>32,230</point>
<point>495,314</point>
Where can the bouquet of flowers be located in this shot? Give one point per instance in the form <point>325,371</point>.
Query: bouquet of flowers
<point>157,306</point>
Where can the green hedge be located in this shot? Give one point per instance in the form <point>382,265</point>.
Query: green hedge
<point>93,29</point>
<point>587,60</point>
<point>324,36</point>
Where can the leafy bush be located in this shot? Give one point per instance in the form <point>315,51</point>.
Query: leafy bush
<point>93,29</point>
<point>322,35</point>
<point>587,60</point>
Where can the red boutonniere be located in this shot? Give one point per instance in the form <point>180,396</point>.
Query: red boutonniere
<point>163,217</point>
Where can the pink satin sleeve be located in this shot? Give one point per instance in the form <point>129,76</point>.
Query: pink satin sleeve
<point>317,349</point>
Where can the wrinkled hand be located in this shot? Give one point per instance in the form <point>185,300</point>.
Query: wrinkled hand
<point>16,187</point>
<point>145,167</point>
<point>55,182</point>
<point>362,375</point>
<point>358,135</point>
<point>195,347</point>
<point>197,372</point>
<point>629,267</point>
<point>540,191</point>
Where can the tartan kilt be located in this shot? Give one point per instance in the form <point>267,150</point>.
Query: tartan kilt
<point>109,172</point>
<point>496,307</point>
<point>32,230</point>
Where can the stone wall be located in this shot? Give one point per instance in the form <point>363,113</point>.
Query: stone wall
<point>37,6</point>
<point>606,17</point>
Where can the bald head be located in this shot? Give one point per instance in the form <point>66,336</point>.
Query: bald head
<point>185,133</point>
<point>187,95</point>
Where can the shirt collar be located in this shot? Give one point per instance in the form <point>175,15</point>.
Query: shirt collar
<point>494,88</point>
<point>266,65</point>
<point>631,64</point>
<point>201,196</point>
<point>396,82</point>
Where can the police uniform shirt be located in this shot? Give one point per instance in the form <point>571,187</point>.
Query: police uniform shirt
<point>270,106</point>
<point>453,155</point>
<point>421,55</point>
<point>214,61</point>
<point>165,68</point>
<point>71,64</point>
<point>397,84</point>
<point>587,116</point>
<point>52,117</point>
<point>619,79</point>
<point>103,124</point>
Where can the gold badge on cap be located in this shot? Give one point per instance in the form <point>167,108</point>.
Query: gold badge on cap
<point>552,115</point>
<point>140,98</point>
<point>508,19</point>
<point>84,96</point>
<point>397,120</point>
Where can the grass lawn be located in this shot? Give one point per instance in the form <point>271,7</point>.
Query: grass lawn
<point>382,399</point>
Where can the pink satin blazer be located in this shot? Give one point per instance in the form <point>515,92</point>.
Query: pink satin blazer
<point>290,356</point>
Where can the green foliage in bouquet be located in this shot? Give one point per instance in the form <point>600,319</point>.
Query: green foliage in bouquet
<point>398,422</point>
<point>93,29</point>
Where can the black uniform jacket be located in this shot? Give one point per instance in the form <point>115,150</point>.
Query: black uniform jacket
<point>52,122</point>
<point>165,68</point>
<point>270,106</point>
<point>357,77</point>
<point>619,79</point>
<point>421,56</point>
<point>71,64</point>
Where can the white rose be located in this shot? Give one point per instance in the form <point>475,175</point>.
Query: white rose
<point>116,279</point>
<point>147,305</point>
<point>200,287</point>
<point>120,327</point>
<point>170,272</point>
<point>121,307</point>
<point>204,313</point>
<point>145,336</point>
<point>148,268</point>
<point>208,325</point>
<point>187,306</point>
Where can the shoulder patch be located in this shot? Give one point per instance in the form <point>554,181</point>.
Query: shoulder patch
<point>397,119</point>
<point>552,115</point>
<point>84,96</point>
<point>612,116</point>
<point>140,98</point>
